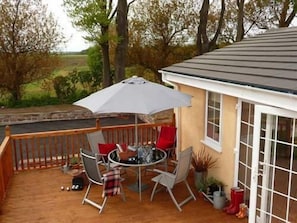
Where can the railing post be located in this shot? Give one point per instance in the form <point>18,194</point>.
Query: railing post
<point>98,124</point>
<point>7,131</point>
<point>173,119</point>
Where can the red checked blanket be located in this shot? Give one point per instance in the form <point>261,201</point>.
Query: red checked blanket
<point>111,184</point>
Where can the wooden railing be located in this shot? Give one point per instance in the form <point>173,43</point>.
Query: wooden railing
<point>6,166</point>
<point>28,151</point>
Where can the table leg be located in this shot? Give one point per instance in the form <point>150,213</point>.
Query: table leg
<point>138,186</point>
<point>139,182</point>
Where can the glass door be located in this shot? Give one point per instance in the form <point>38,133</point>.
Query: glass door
<point>274,166</point>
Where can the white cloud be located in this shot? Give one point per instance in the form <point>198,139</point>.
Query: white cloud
<point>75,41</point>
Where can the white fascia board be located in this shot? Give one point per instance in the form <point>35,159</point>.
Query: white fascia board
<point>243,92</point>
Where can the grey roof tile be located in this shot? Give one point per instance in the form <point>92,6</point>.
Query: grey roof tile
<point>268,60</point>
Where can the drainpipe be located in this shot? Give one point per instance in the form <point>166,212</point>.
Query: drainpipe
<point>176,110</point>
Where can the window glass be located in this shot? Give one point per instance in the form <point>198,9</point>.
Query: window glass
<point>213,116</point>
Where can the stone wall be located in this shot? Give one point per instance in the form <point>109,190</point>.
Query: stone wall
<point>17,116</point>
<point>64,112</point>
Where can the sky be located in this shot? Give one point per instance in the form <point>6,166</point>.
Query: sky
<point>75,41</point>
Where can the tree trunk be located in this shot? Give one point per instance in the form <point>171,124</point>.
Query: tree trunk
<point>106,61</point>
<point>202,39</point>
<point>106,65</point>
<point>213,43</point>
<point>122,45</point>
<point>283,20</point>
<point>16,92</point>
<point>203,43</point>
<point>240,28</point>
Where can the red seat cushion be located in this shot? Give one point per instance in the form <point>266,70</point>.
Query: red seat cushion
<point>164,144</point>
<point>166,138</point>
<point>106,148</point>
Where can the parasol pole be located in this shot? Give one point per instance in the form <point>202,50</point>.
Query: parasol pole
<point>136,131</point>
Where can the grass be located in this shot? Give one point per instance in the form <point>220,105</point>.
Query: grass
<point>74,60</point>
<point>41,92</point>
<point>69,62</point>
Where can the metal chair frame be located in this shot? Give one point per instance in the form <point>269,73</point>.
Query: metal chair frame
<point>94,175</point>
<point>94,138</point>
<point>180,174</point>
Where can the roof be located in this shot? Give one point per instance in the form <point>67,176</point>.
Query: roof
<point>268,61</point>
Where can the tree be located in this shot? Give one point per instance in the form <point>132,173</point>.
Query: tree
<point>122,43</point>
<point>94,17</point>
<point>206,42</point>
<point>233,29</point>
<point>270,13</point>
<point>28,37</point>
<point>240,16</point>
<point>157,28</point>
<point>288,12</point>
<point>246,18</point>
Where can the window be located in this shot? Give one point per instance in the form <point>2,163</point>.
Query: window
<point>213,120</point>
<point>246,148</point>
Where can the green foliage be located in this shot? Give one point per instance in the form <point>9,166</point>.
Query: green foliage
<point>295,4</point>
<point>203,161</point>
<point>210,184</point>
<point>90,16</point>
<point>95,59</point>
<point>41,92</point>
<point>64,87</point>
<point>157,29</point>
<point>28,37</point>
<point>95,65</point>
<point>94,17</point>
<point>67,88</point>
<point>141,71</point>
<point>74,160</point>
<point>32,101</point>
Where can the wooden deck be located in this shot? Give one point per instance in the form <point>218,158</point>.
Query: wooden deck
<point>35,196</point>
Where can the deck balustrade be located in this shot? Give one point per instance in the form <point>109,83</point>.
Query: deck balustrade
<point>20,152</point>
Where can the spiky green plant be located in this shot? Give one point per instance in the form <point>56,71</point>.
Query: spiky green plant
<point>202,160</point>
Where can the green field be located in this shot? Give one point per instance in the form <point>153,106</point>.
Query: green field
<point>72,61</point>
<point>69,62</point>
<point>42,92</point>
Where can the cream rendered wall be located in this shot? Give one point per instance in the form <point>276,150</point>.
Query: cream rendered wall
<point>225,165</point>
<point>191,127</point>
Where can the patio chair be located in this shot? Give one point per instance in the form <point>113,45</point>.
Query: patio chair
<point>166,139</point>
<point>110,181</point>
<point>98,146</point>
<point>180,174</point>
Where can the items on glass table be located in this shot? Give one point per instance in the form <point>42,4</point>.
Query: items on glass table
<point>145,154</point>
<point>140,154</point>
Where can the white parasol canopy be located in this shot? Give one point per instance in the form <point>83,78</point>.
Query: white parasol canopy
<point>134,95</point>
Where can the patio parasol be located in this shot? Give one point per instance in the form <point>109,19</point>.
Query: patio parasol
<point>134,95</point>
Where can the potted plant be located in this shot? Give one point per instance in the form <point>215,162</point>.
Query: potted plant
<point>74,162</point>
<point>213,191</point>
<point>212,184</point>
<point>202,161</point>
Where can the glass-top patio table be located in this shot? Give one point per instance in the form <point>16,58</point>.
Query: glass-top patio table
<point>144,157</point>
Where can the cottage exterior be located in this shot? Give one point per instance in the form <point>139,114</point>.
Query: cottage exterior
<point>244,111</point>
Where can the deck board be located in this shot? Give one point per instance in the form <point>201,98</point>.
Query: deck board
<point>35,196</point>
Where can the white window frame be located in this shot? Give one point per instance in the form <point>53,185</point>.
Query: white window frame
<point>208,141</point>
